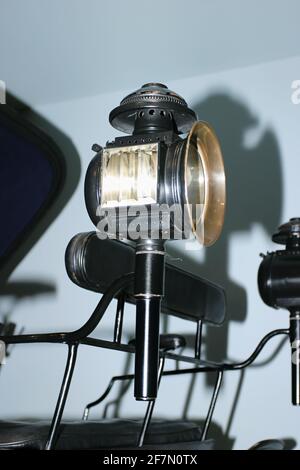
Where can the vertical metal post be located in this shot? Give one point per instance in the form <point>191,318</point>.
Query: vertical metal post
<point>150,408</point>
<point>212,405</point>
<point>62,397</point>
<point>198,339</point>
<point>119,319</point>
<point>149,289</point>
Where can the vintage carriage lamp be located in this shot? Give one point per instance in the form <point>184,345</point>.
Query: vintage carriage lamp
<point>279,287</point>
<point>150,186</point>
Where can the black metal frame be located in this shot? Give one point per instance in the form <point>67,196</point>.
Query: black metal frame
<point>207,366</point>
<point>82,336</point>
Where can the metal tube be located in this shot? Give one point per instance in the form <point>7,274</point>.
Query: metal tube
<point>147,348</point>
<point>62,397</point>
<point>212,405</point>
<point>148,291</point>
<point>209,366</point>
<point>119,319</point>
<point>150,408</point>
<point>198,340</point>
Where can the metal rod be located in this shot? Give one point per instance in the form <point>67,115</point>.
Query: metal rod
<point>150,408</point>
<point>98,401</point>
<point>81,334</point>
<point>209,366</point>
<point>198,339</point>
<point>189,396</point>
<point>62,397</point>
<point>235,403</point>
<point>117,401</point>
<point>212,405</point>
<point>119,319</point>
<point>103,344</point>
<point>215,366</point>
<point>115,288</point>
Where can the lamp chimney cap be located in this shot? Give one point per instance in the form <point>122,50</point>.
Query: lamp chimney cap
<point>152,97</point>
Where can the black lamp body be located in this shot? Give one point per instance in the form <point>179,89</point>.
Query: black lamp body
<point>279,279</point>
<point>155,125</point>
<point>279,287</point>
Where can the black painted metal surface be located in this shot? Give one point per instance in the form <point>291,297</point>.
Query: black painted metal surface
<point>279,287</point>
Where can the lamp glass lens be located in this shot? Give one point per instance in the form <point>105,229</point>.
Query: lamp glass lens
<point>129,175</point>
<point>195,182</point>
<point>204,183</point>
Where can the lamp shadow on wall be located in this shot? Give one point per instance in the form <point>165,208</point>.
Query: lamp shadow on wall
<point>254,196</point>
<point>18,291</point>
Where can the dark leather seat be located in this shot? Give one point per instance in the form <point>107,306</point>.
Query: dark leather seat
<point>105,434</point>
<point>268,444</point>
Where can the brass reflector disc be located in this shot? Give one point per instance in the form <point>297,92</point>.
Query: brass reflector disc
<point>205,182</point>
